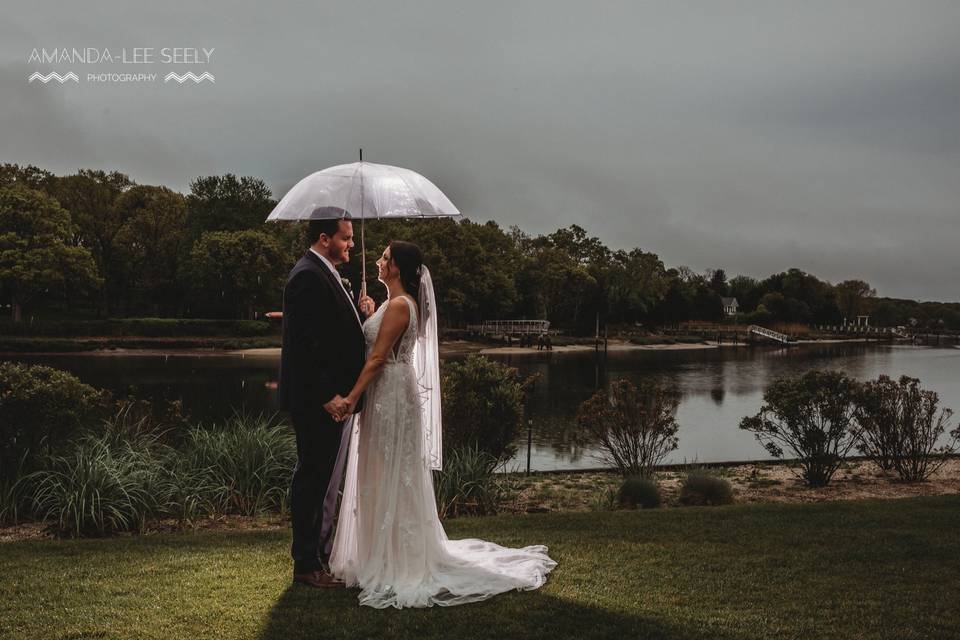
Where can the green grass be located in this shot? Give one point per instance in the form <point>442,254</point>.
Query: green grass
<point>870,569</point>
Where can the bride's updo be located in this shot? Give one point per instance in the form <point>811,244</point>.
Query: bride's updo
<point>408,258</point>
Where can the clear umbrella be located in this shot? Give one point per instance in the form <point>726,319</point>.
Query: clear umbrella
<point>364,190</point>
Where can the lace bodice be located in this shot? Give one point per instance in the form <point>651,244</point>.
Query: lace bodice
<point>403,353</point>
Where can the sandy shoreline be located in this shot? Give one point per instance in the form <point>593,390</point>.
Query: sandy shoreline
<point>448,348</point>
<point>620,345</point>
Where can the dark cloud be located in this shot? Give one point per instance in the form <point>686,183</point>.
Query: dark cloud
<point>753,136</point>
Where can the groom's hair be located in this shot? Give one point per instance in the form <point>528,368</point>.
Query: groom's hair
<point>329,224</point>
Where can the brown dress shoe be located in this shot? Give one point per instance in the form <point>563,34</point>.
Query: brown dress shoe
<point>318,579</point>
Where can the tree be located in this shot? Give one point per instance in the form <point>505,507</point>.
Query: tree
<point>233,272</point>
<point>29,176</point>
<point>36,255</point>
<point>636,283</point>
<point>677,302</point>
<point>228,203</point>
<point>558,284</point>
<point>706,303</point>
<point>850,297</point>
<point>745,289</point>
<point>90,197</point>
<point>818,297</point>
<point>152,244</point>
<point>718,282</point>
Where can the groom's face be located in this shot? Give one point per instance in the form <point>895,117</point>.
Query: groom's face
<point>337,247</point>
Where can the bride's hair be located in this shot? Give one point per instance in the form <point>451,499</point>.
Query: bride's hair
<point>408,258</point>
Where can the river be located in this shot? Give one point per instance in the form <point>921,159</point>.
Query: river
<point>718,387</point>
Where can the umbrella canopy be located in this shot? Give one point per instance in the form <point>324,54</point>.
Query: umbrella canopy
<point>364,190</point>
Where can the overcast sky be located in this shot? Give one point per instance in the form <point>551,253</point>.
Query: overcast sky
<point>752,136</point>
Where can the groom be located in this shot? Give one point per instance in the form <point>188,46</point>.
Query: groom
<point>323,353</point>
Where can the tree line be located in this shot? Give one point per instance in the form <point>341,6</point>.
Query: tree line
<point>96,244</point>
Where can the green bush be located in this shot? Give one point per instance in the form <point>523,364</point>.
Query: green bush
<point>125,476</point>
<point>639,492</point>
<point>813,416</point>
<point>636,427</point>
<point>40,408</point>
<point>606,500</point>
<point>146,327</point>
<point>104,485</point>
<point>14,501</point>
<point>467,484</point>
<point>482,406</point>
<point>901,425</point>
<point>700,488</point>
<point>243,466</point>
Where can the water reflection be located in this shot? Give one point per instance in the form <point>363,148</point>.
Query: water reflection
<point>718,387</point>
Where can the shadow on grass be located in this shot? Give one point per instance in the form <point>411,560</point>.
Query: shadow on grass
<point>303,612</point>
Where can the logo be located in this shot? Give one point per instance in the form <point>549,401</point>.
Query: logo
<point>53,76</point>
<point>129,65</point>
<point>189,75</point>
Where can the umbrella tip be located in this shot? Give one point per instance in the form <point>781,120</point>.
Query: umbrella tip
<point>361,154</point>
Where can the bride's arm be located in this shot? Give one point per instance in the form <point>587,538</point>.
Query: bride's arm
<point>396,317</point>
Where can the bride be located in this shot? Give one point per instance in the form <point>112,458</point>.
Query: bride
<point>389,540</point>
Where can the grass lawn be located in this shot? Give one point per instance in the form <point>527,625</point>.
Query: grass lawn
<point>855,569</point>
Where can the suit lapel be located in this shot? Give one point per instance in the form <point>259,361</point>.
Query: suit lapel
<point>341,293</point>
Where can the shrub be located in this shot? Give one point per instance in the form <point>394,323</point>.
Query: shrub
<point>125,476</point>
<point>900,427</point>
<point>639,492</point>
<point>40,407</point>
<point>104,485</point>
<point>812,416</point>
<point>146,327</point>
<point>606,500</point>
<point>13,495</point>
<point>467,485</point>
<point>243,466</point>
<point>482,406</point>
<point>635,426</point>
<point>700,488</point>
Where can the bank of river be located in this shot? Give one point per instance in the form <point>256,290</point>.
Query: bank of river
<point>594,490</point>
<point>718,386</point>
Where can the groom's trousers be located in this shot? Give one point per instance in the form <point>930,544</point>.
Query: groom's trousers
<point>314,480</point>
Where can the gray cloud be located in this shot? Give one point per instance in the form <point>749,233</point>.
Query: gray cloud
<point>752,136</point>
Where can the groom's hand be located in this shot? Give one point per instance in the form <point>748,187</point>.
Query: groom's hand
<point>367,306</point>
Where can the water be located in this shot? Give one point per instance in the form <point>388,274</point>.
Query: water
<point>718,386</point>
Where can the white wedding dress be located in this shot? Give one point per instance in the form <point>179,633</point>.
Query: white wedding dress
<point>389,540</point>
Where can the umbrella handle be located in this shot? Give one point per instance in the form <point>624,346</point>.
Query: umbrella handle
<point>363,260</point>
<point>363,244</point>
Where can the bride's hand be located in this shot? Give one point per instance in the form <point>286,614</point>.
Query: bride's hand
<point>337,408</point>
<point>367,306</point>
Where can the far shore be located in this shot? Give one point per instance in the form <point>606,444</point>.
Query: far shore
<point>448,348</point>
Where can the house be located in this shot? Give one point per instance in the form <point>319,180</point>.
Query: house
<point>730,306</point>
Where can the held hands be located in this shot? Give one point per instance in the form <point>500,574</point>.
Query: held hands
<point>340,408</point>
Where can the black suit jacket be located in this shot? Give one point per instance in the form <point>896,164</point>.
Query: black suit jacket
<point>323,347</point>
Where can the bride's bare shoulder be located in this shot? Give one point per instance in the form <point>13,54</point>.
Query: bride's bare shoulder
<point>398,308</point>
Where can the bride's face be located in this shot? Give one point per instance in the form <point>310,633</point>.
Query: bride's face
<point>386,268</point>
